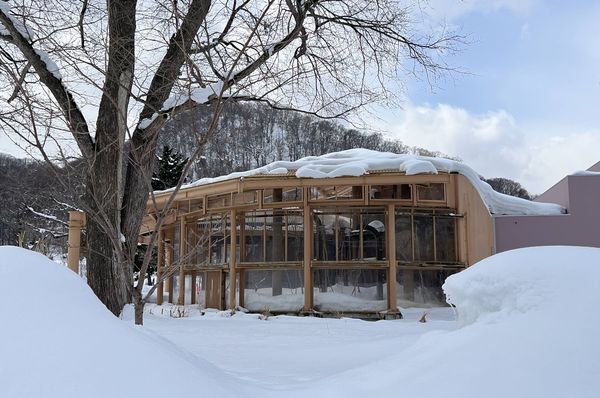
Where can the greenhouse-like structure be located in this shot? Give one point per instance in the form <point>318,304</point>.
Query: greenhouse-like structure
<point>357,232</point>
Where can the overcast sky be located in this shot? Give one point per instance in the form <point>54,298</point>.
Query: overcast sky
<point>529,106</point>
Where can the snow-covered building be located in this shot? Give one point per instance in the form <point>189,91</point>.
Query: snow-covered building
<point>356,231</point>
<point>579,194</point>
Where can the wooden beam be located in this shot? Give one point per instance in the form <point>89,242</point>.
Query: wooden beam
<point>232,259</point>
<point>390,230</point>
<point>308,237</point>
<point>182,254</point>
<point>160,263</point>
<point>195,259</point>
<point>242,272</point>
<point>169,262</point>
<point>76,223</point>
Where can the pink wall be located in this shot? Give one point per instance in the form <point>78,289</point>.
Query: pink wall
<point>581,227</point>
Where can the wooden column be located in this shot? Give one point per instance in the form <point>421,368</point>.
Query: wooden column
<point>390,234</point>
<point>160,263</point>
<point>242,273</point>
<point>169,262</point>
<point>277,243</point>
<point>232,259</point>
<point>182,261</point>
<point>308,280</point>
<point>195,257</point>
<point>76,223</point>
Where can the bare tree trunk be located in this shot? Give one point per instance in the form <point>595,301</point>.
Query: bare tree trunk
<point>138,307</point>
<point>102,269</point>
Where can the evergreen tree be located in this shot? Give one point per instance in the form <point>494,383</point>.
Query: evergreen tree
<point>170,167</point>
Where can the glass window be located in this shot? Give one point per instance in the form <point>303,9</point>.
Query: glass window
<point>278,195</point>
<point>349,234</point>
<point>445,241</point>
<point>336,192</point>
<point>277,290</point>
<point>404,238</point>
<point>423,227</point>
<point>433,191</point>
<point>400,191</point>
<point>245,198</point>
<point>273,236</point>
<point>343,290</point>
<point>421,287</point>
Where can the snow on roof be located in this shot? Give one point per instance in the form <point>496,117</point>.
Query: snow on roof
<point>358,162</point>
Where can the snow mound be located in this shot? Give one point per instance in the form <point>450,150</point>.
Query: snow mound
<point>357,162</point>
<point>58,340</point>
<point>526,281</point>
<point>528,327</point>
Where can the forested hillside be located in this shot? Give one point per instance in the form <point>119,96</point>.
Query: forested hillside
<point>250,135</point>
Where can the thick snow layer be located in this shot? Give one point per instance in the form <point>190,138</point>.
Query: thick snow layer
<point>58,340</point>
<point>528,326</point>
<point>357,162</point>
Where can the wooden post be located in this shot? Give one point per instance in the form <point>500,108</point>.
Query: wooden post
<point>194,261</point>
<point>169,262</point>
<point>242,273</point>
<point>232,259</point>
<point>277,243</point>
<point>160,263</point>
<point>182,256</point>
<point>308,282</point>
<point>390,230</point>
<point>76,223</point>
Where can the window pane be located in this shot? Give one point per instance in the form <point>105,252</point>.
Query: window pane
<point>278,195</point>
<point>401,191</point>
<point>349,234</point>
<point>445,239</point>
<point>331,192</point>
<point>423,237</point>
<point>404,238</point>
<point>431,191</point>
<point>279,290</point>
<point>421,287</point>
<point>342,290</point>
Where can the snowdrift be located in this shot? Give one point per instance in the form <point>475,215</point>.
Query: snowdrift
<point>58,340</point>
<point>529,326</point>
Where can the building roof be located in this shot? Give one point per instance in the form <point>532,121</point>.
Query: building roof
<point>359,162</point>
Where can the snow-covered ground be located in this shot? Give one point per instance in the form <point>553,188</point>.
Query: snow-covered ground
<point>527,325</point>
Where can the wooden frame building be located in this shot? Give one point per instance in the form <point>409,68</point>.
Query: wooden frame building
<point>352,244</point>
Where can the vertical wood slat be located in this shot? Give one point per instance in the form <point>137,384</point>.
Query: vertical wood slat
<point>308,282</point>
<point>169,262</point>
<point>195,258</point>
<point>76,223</point>
<point>182,257</point>
<point>232,259</point>
<point>391,248</point>
<point>242,273</point>
<point>160,263</point>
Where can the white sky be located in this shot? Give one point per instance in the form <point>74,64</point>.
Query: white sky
<point>528,107</point>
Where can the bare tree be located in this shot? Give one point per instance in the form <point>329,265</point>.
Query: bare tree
<point>108,75</point>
